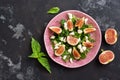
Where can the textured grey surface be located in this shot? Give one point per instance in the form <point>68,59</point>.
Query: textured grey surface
<point>21,19</point>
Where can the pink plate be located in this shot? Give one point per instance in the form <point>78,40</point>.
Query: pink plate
<point>56,22</point>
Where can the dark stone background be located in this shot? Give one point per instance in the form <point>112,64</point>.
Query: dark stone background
<point>21,19</point>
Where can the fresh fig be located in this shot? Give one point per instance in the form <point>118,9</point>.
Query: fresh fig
<point>56,29</point>
<point>60,50</point>
<point>89,30</point>
<point>70,25</point>
<point>76,54</point>
<point>72,40</point>
<point>106,57</point>
<point>111,36</point>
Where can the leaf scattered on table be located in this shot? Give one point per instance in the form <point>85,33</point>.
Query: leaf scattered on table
<point>35,46</point>
<point>53,10</point>
<point>33,55</point>
<point>44,62</point>
<point>40,56</point>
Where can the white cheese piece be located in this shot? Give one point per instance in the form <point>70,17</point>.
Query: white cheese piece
<point>65,26</point>
<point>84,48</point>
<point>72,33</point>
<point>52,37</point>
<point>81,50</point>
<point>62,38</point>
<point>87,41</point>
<point>64,57</point>
<point>71,60</point>
<point>70,50</point>
<point>86,37</point>
<point>59,43</point>
<point>56,47</point>
<point>55,42</point>
<point>79,46</point>
<point>80,31</point>
<point>86,20</point>
<point>70,16</point>
<point>79,40</point>
<point>65,39</point>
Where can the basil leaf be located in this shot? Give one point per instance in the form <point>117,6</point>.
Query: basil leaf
<point>33,55</point>
<point>41,54</point>
<point>36,55</point>
<point>36,48</point>
<point>44,62</point>
<point>53,10</point>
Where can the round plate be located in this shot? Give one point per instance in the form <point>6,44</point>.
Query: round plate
<point>56,22</point>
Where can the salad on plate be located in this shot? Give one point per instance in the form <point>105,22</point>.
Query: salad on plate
<point>72,40</point>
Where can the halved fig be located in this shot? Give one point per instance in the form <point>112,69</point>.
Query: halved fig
<point>60,50</point>
<point>88,44</point>
<point>89,30</point>
<point>79,23</point>
<point>70,25</point>
<point>106,57</point>
<point>56,29</point>
<point>111,36</point>
<point>72,40</point>
<point>76,54</point>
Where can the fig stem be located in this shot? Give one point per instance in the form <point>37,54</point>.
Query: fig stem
<point>102,50</point>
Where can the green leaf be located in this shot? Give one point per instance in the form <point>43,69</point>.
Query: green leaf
<point>90,26</point>
<point>36,48</point>
<point>77,35</point>
<point>91,40</point>
<point>74,19</point>
<point>41,54</point>
<point>53,10</point>
<point>33,55</point>
<point>83,55</point>
<point>44,62</point>
<point>62,22</point>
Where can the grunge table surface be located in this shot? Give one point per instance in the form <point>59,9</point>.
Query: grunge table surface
<point>21,19</point>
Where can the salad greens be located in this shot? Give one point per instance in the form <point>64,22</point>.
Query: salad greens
<point>61,39</point>
<point>53,10</point>
<point>40,56</point>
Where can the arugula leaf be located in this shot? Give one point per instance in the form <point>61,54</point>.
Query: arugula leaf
<point>83,55</point>
<point>53,10</point>
<point>77,35</point>
<point>91,40</point>
<point>35,46</point>
<point>62,22</point>
<point>40,56</point>
<point>74,19</point>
